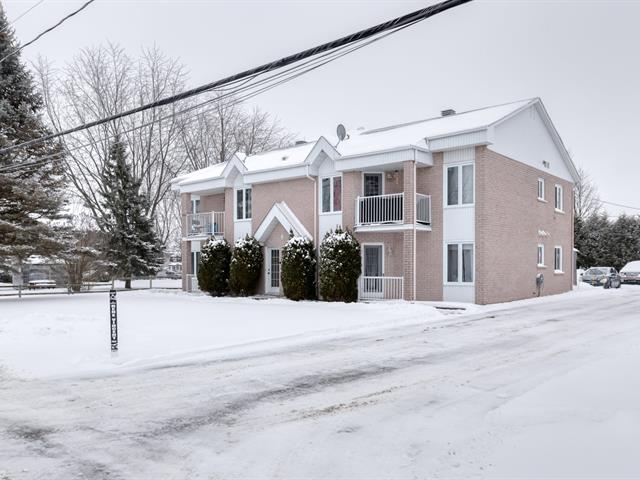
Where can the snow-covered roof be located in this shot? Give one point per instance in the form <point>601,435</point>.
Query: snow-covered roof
<point>413,134</point>
<point>281,158</point>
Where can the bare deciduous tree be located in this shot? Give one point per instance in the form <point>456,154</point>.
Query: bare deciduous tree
<point>100,82</point>
<point>586,199</point>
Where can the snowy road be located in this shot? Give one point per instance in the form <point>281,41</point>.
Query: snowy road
<point>537,389</point>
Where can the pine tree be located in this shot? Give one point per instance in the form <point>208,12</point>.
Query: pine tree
<point>31,198</point>
<point>132,247</point>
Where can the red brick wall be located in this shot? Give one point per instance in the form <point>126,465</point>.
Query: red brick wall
<point>508,220</point>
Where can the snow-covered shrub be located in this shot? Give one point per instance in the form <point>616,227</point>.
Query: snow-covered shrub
<point>298,270</point>
<point>213,270</point>
<point>340,266</point>
<point>246,263</point>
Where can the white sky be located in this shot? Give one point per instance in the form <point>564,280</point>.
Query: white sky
<point>581,58</point>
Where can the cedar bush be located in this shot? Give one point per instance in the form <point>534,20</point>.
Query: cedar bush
<point>213,270</point>
<point>246,264</point>
<point>298,270</point>
<point>340,266</point>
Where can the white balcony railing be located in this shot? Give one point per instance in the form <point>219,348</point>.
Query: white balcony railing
<point>389,209</point>
<point>380,209</point>
<point>423,209</point>
<point>208,223</point>
<point>381,288</point>
<point>192,283</point>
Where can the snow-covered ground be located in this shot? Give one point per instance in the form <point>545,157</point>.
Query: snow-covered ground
<point>543,388</point>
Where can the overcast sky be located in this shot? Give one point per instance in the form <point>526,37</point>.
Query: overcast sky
<point>580,57</point>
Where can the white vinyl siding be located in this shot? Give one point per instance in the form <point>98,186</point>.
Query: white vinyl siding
<point>557,259</point>
<point>243,204</point>
<point>460,263</point>
<point>460,185</point>
<point>331,194</point>
<point>559,198</point>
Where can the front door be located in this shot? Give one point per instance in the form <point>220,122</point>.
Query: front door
<point>372,184</point>
<point>373,271</point>
<point>273,271</point>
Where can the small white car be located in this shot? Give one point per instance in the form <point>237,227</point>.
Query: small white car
<point>630,273</point>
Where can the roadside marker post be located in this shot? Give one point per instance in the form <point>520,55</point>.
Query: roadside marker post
<point>113,317</point>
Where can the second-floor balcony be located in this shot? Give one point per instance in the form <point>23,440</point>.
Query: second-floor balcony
<point>388,210</point>
<point>205,224</point>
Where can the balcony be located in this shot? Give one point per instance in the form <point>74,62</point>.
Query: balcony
<point>388,212</point>
<point>205,224</point>
<point>380,288</point>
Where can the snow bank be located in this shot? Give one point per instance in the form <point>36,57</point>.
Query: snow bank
<point>69,335</point>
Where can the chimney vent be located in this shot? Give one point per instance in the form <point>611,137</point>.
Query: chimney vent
<point>447,112</point>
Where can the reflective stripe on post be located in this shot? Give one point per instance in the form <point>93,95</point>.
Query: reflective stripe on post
<point>113,313</point>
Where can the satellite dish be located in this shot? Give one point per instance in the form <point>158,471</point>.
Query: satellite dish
<point>342,132</point>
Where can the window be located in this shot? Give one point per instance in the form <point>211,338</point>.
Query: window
<point>195,205</point>
<point>559,203</point>
<point>541,189</point>
<point>460,189</point>
<point>541,255</point>
<point>557,259</point>
<point>331,194</point>
<point>243,204</point>
<point>460,263</point>
<point>372,184</point>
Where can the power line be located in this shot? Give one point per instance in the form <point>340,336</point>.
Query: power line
<point>410,18</point>
<point>14,21</point>
<point>243,86</point>
<point>64,19</point>
<point>620,205</point>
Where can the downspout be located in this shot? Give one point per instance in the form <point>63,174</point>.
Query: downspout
<point>315,226</point>
<point>415,213</point>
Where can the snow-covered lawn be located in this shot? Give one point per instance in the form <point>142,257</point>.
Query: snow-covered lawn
<point>69,335</point>
<point>542,388</point>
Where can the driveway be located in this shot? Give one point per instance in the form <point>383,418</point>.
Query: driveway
<point>535,389</point>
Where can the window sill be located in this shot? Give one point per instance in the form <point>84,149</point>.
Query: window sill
<point>339,212</point>
<point>558,272</point>
<point>243,220</point>
<point>559,211</point>
<point>459,284</point>
<point>464,205</point>
<point>542,200</point>
<point>542,266</point>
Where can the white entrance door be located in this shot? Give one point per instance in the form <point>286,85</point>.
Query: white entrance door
<point>372,283</point>
<point>272,281</point>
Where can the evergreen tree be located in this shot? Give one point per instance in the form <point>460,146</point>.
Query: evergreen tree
<point>340,266</point>
<point>299,269</point>
<point>246,264</point>
<point>132,247</point>
<point>213,270</point>
<point>31,198</point>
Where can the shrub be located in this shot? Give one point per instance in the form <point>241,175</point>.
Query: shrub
<point>213,270</point>
<point>340,266</point>
<point>298,270</point>
<point>246,264</point>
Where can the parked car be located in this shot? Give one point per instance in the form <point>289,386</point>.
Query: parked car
<point>37,284</point>
<point>606,277</point>
<point>630,273</point>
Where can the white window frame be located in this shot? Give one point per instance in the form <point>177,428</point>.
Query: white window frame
<point>559,198</point>
<point>460,256</point>
<point>541,189</point>
<point>362,256</point>
<point>557,249</point>
<point>195,200</point>
<point>540,252</point>
<point>244,204</point>
<point>331,178</point>
<point>459,167</point>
